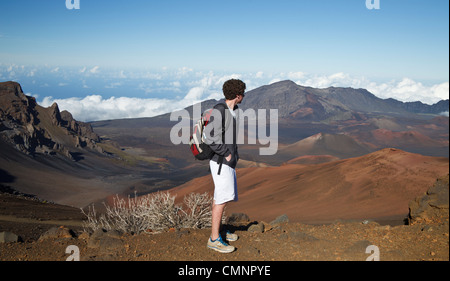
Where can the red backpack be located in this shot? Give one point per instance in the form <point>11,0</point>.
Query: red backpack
<point>197,144</point>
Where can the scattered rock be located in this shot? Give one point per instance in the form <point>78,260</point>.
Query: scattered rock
<point>6,237</point>
<point>238,218</point>
<point>279,220</point>
<point>257,228</point>
<point>61,232</point>
<point>105,240</point>
<point>267,226</point>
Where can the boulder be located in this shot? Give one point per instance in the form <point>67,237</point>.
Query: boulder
<point>61,232</point>
<point>104,239</point>
<point>238,218</point>
<point>256,228</point>
<point>279,220</point>
<point>6,237</point>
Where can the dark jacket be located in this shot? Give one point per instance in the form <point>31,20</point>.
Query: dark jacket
<point>215,137</point>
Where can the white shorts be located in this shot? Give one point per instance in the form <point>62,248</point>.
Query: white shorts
<point>225,185</point>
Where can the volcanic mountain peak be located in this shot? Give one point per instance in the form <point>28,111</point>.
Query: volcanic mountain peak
<point>315,137</point>
<point>32,129</point>
<point>313,104</point>
<point>293,101</point>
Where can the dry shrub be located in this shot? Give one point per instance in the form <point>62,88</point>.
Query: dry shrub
<point>155,212</point>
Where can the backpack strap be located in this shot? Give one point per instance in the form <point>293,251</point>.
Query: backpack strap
<point>223,137</point>
<point>220,164</point>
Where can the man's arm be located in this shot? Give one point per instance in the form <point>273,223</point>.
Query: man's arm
<point>214,132</point>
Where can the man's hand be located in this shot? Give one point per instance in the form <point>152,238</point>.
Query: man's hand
<point>228,157</point>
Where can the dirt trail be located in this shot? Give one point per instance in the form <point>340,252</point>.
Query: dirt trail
<point>286,242</point>
<point>10,218</point>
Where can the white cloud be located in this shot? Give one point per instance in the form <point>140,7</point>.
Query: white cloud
<point>339,79</point>
<point>408,90</point>
<point>275,80</point>
<point>259,74</point>
<point>194,95</point>
<point>31,73</point>
<point>152,76</point>
<point>184,71</point>
<point>441,91</point>
<point>94,107</point>
<point>113,85</point>
<point>94,69</point>
<point>179,88</point>
<point>122,74</point>
<point>36,96</point>
<point>296,75</point>
<point>220,80</point>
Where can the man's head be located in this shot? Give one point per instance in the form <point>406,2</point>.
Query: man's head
<point>234,88</point>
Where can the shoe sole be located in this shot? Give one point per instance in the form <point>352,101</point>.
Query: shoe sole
<point>220,250</point>
<point>232,240</point>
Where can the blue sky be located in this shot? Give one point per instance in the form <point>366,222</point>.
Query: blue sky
<point>168,50</point>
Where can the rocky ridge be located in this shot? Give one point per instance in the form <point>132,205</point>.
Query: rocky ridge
<point>31,128</point>
<point>433,205</point>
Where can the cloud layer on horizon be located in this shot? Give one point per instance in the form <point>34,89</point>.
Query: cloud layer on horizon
<point>94,93</point>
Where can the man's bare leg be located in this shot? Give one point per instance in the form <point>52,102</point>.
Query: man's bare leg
<point>214,242</point>
<point>216,221</point>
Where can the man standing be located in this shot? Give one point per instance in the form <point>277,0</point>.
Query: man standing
<point>223,162</point>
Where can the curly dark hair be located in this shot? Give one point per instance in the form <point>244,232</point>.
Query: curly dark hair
<point>232,88</point>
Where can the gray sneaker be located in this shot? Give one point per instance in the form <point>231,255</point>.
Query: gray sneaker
<point>219,245</point>
<point>231,237</point>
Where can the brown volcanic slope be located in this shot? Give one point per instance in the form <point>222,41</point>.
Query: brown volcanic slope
<point>339,145</point>
<point>374,186</point>
<point>404,138</point>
